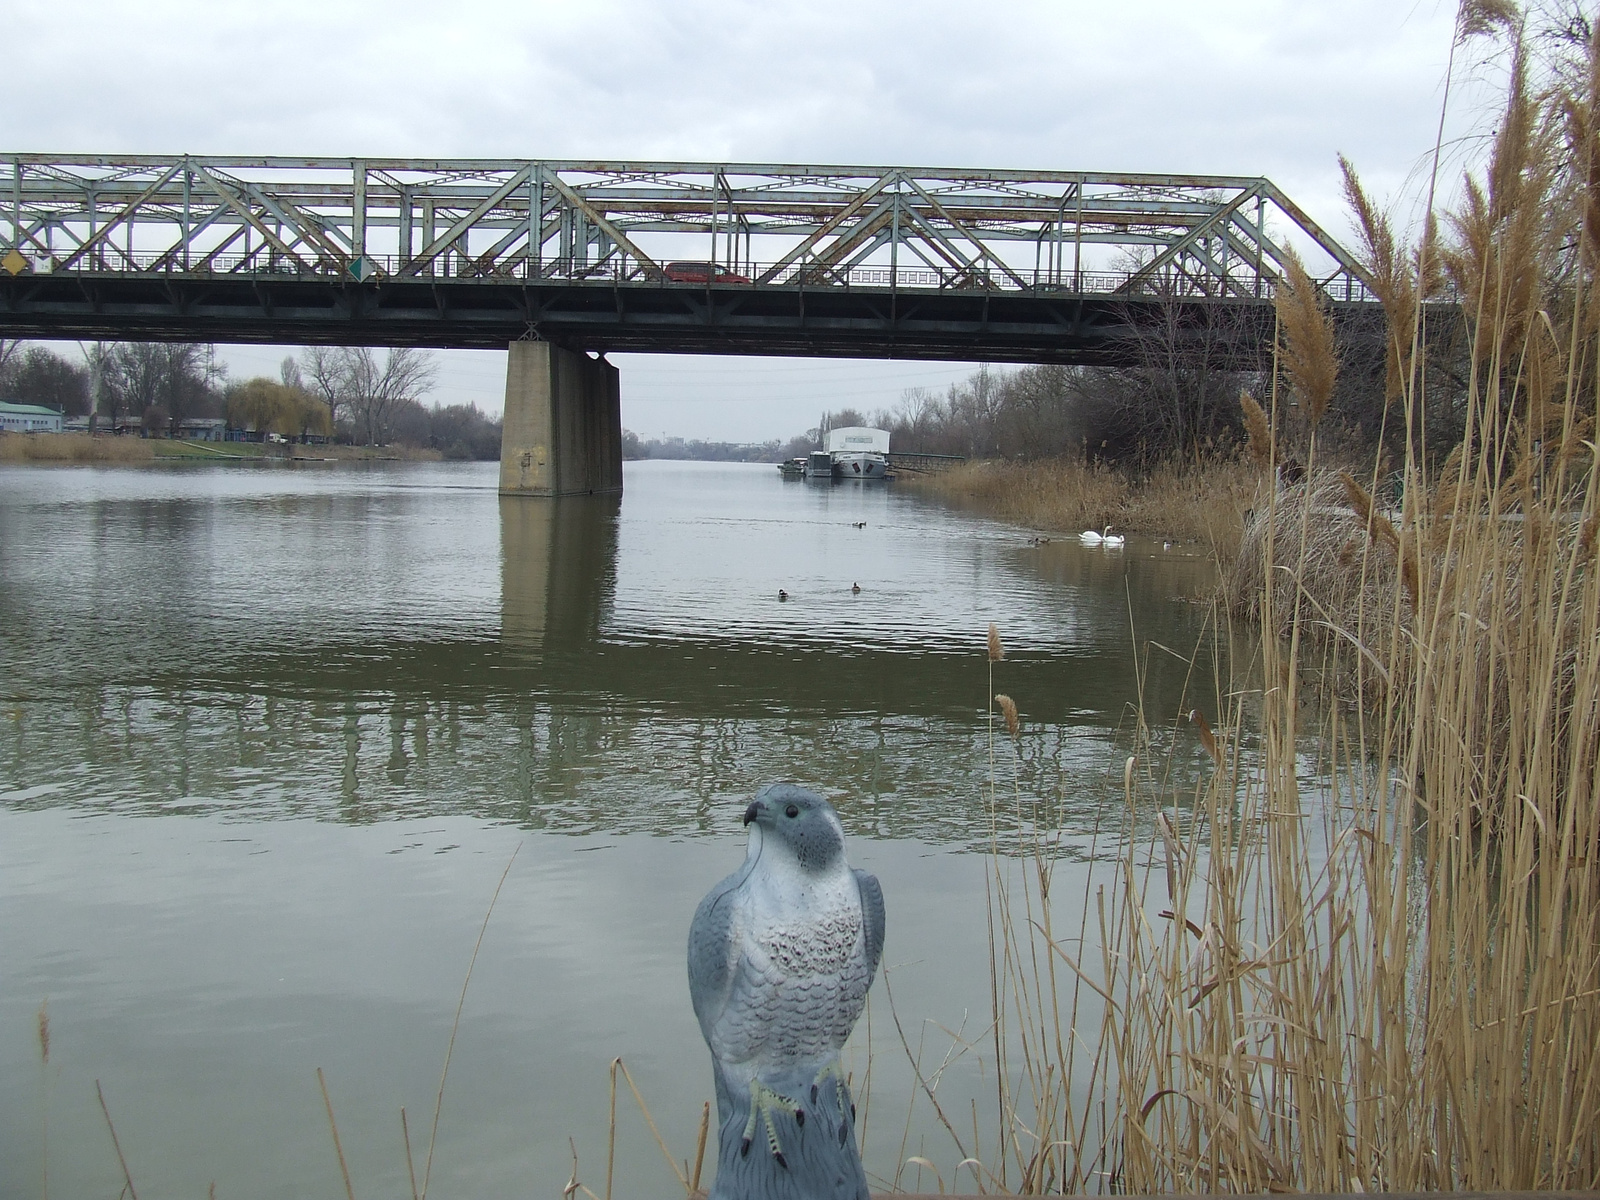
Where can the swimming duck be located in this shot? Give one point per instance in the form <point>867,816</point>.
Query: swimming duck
<point>856,588</point>
<point>782,595</point>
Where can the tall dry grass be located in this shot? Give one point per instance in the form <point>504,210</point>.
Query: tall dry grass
<point>1363,953</point>
<point>1201,502</point>
<point>72,448</point>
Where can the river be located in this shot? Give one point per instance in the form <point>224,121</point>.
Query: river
<point>271,733</point>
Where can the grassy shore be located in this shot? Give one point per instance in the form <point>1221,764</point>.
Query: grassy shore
<point>80,448</point>
<point>1204,502</point>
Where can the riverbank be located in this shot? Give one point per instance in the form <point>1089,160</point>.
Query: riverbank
<point>1203,502</point>
<point>81,448</point>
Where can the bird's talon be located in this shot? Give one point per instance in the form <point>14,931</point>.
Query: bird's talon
<point>800,1117</point>
<point>813,1093</point>
<point>781,1161</point>
<point>844,1132</point>
<point>744,1147</point>
<point>852,1110</point>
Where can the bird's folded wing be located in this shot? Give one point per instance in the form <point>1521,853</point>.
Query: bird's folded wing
<point>872,918</point>
<point>712,953</point>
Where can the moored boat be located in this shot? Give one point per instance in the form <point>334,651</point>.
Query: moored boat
<point>857,452</point>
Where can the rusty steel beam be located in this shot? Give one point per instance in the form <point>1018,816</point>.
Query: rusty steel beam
<point>535,237</point>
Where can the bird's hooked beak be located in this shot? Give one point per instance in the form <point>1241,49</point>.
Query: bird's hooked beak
<point>755,810</point>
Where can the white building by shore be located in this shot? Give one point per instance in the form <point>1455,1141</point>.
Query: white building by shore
<point>28,418</point>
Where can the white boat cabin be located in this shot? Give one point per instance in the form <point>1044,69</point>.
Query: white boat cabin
<point>858,439</point>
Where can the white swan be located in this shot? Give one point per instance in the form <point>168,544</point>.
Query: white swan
<point>1104,538</point>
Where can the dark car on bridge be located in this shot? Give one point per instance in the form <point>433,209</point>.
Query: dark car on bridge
<point>701,272</point>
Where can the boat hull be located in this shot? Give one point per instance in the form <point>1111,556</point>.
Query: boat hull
<point>851,464</point>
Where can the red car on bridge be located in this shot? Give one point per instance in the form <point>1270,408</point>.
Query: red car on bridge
<point>700,272</point>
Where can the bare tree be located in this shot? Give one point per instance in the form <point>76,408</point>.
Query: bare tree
<point>162,382</point>
<point>323,372</point>
<point>133,379</point>
<point>376,390</point>
<point>189,373</point>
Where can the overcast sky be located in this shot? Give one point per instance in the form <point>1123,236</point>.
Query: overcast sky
<point>1240,87</point>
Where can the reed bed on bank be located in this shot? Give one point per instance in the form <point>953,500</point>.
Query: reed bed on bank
<point>1203,502</point>
<point>1363,954</point>
<point>81,448</point>
<point>72,448</point>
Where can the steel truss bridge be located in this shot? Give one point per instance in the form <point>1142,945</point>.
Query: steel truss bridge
<point>1021,266</point>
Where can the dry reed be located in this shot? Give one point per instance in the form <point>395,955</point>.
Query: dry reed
<point>1307,352</point>
<point>116,1143</point>
<point>1259,446</point>
<point>1196,502</point>
<point>1388,978</point>
<point>455,1025</point>
<point>1008,710</point>
<point>73,448</point>
<point>44,1088</point>
<point>338,1146</point>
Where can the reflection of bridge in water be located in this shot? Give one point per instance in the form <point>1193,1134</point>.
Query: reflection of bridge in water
<point>567,259</point>
<point>400,669</point>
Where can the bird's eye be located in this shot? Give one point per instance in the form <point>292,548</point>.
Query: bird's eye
<point>791,811</point>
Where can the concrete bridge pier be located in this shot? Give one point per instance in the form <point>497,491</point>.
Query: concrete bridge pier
<point>562,434</point>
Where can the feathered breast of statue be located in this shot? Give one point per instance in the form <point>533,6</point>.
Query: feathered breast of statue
<point>781,955</point>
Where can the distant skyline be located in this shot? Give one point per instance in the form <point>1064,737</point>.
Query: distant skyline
<point>1246,87</point>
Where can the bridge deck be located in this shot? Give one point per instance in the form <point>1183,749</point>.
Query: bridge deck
<point>869,261</point>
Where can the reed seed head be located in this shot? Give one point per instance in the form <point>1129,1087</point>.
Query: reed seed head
<point>1308,351</point>
<point>996,650</point>
<point>1257,429</point>
<point>1008,709</point>
<point>1207,738</point>
<point>1476,18</point>
<point>1374,522</point>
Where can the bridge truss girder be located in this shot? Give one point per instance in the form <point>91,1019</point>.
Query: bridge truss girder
<point>532,220</point>
<point>1010,265</point>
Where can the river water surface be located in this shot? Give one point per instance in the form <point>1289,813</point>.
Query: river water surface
<point>270,734</point>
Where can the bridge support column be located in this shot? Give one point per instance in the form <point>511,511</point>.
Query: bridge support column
<point>562,434</point>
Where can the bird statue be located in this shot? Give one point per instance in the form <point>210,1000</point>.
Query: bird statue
<point>781,954</point>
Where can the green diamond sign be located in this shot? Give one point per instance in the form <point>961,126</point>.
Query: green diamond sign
<point>361,268</point>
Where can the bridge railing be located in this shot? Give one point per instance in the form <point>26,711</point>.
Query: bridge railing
<point>791,226</point>
<point>617,270</point>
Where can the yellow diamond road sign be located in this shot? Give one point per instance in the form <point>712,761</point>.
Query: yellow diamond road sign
<point>14,262</point>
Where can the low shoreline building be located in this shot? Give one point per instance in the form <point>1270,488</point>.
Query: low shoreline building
<point>29,418</point>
